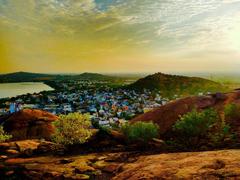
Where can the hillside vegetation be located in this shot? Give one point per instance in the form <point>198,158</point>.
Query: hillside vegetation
<point>181,85</point>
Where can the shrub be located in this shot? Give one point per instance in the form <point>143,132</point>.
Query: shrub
<point>3,135</point>
<point>104,129</point>
<point>195,124</point>
<point>222,132</point>
<point>140,131</point>
<point>195,129</point>
<point>231,111</point>
<point>71,129</point>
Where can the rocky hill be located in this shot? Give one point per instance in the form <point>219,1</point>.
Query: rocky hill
<point>168,114</point>
<point>173,84</point>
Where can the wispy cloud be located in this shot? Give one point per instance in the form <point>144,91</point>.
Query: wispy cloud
<point>99,30</point>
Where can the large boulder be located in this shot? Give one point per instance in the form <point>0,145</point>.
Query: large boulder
<point>30,124</point>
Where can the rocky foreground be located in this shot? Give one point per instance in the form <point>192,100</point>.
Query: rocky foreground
<point>107,155</point>
<point>20,164</point>
<point>198,165</point>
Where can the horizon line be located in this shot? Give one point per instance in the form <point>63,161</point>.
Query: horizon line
<point>146,72</point>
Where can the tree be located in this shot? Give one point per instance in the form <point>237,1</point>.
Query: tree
<point>195,124</point>
<point>3,135</point>
<point>201,128</point>
<point>140,131</point>
<point>232,111</point>
<point>73,128</point>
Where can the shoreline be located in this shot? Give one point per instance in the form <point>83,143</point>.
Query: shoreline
<point>51,88</point>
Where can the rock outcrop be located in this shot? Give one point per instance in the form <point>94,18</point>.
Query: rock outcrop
<point>29,124</point>
<point>27,148</point>
<point>198,165</point>
<point>222,164</point>
<point>165,116</point>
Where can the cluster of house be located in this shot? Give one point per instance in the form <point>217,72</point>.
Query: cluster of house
<point>106,106</point>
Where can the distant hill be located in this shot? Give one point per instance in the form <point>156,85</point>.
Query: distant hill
<point>24,77</point>
<point>93,76</point>
<point>174,84</point>
<point>33,77</point>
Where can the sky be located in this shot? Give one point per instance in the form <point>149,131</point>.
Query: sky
<point>119,36</point>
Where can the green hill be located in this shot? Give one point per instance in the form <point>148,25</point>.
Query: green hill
<point>174,84</point>
<point>93,76</point>
<point>25,77</point>
<point>33,77</point>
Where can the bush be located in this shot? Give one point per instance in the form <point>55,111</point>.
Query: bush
<point>222,131</point>
<point>195,129</point>
<point>3,135</point>
<point>231,111</point>
<point>196,124</point>
<point>140,131</point>
<point>71,129</point>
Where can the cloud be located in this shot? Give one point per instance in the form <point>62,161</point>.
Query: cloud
<point>87,30</point>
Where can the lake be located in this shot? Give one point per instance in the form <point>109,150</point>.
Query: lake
<point>16,89</point>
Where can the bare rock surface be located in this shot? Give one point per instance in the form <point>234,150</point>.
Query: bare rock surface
<point>223,164</point>
<point>198,165</point>
<point>29,148</point>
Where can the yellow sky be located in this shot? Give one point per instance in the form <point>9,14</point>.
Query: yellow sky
<point>119,36</point>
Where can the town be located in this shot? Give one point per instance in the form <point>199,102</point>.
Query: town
<point>106,105</point>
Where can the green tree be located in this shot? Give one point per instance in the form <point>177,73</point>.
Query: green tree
<point>195,123</point>
<point>73,128</point>
<point>3,135</point>
<point>206,127</point>
<point>231,111</point>
<point>140,131</point>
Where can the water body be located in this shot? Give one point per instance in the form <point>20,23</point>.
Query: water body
<point>16,89</point>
